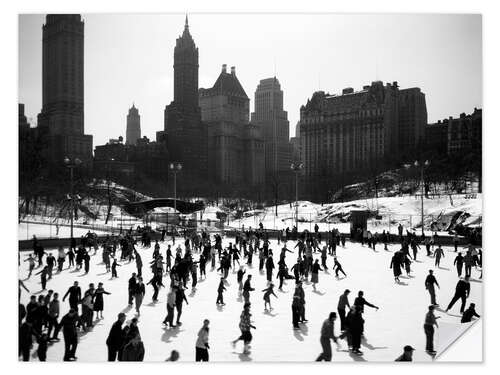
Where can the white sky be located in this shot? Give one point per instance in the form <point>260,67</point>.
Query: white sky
<point>129,58</point>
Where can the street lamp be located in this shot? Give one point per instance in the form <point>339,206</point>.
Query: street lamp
<point>422,167</point>
<point>175,167</point>
<point>71,164</point>
<point>296,167</point>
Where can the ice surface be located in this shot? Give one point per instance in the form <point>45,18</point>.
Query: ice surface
<point>398,322</point>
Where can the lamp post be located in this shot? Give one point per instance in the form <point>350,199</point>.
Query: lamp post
<point>422,167</point>
<point>71,164</point>
<point>296,167</point>
<point>175,167</point>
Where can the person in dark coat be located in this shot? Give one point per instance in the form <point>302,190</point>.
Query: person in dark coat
<point>356,327</point>
<point>407,355</point>
<point>132,283</point>
<point>180,297</point>
<point>430,281</point>
<point>220,290</point>
<point>462,291</point>
<point>133,350</point>
<point>361,302</point>
<point>25,340</point>
<point>75,295</point>
<point>396,266</point>
<point>43,343</point>
<point>99,300</point>
<point>68,324</point>
<point>116,338</point>
<point>343,303</point>
<point>469,314</point>
<point>247,288</point>
<point>269,268</point>
<point>459,263</point>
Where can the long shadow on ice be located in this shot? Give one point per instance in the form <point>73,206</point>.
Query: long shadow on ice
<point>170,333</point>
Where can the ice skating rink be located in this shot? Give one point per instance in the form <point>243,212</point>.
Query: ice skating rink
<point>398,322</point>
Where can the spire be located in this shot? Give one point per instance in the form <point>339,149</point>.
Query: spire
<point>186,24</point>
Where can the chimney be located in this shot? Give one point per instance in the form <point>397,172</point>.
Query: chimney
<point>224,68</point>
<point>233,70</point>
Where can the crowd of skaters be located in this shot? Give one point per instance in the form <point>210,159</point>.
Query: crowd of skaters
<point>181,266</point>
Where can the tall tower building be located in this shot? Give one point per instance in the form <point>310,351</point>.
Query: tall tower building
<point>61,117</point>
<point>184,133</point>
<point>273,120</point>
<point>186,71</point>
<point>133,126</point>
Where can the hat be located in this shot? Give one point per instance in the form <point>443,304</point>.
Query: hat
<point>408,348</point>
<point>121,315</point>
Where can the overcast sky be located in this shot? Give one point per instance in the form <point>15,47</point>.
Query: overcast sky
<point>129,58</point>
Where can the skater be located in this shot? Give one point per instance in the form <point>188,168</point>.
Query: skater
<point>68,324</point>
<point>327,334</point>
<point>337,267</point>
<point>430,280</point>
<point>315,271</point>
<point>132,283</point>
<point>469,313</point>
<point>133,350</point>
<point>356,328</point>
<point>220,290</point>
<point>202,346</point>
<point>296,306</point>
<point>115,264</point>
<point>245,326</point>
<point>343,303</point>
<point>139,292</point>
<point>269,268</point>
<point>75,295</point>
<point>438,254</point>
<point>267,296</point>
<point>407,355</point>
<point>25,340</point>
<point>99,300</point>
<point>116,338</point>
<point>52,316</point>
<point>462,291</point>
<point>180,297</point>
<point>430,322</point>
<point>43,276</point>
<point>239,278</point>
<point>459,263</point>
<point>41,351</point>
<point>360,302</point>
<point>169,319</point>
<point>31,264</point>
<point>396,266</point>
<point>247,288</point>
<point>469,263</point>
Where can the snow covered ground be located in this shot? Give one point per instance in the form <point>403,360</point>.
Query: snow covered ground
<point>405,210</point>
<point>398,322</point>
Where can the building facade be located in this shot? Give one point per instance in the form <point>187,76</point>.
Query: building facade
<point>61,119</point>
<point>358,130</point>
<point>273,120</point>
<point>456,135</point>
<point>133,132</point>
<point>184,133</point>
<point>235,147</point>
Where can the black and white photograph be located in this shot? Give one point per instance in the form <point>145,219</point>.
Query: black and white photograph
<point>248,187</point>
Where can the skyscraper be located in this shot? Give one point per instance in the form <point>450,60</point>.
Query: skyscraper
<point>235,147</point>
<point>184,132</point>
<point>61,118</point>
<point>273,120</point>
<point>133,126</point>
